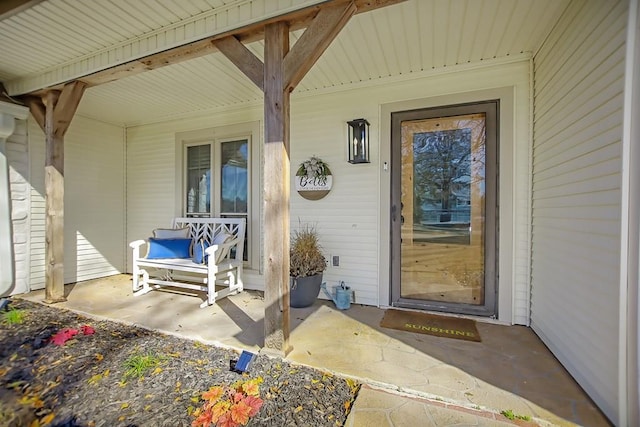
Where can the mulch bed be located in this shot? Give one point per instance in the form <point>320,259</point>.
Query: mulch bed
<point>83,382</point>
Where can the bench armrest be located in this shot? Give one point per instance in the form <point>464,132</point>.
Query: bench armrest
<point>217,253</point>
<point>137,243</point>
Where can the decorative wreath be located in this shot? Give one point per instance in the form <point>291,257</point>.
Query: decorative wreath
<point>314,168</point>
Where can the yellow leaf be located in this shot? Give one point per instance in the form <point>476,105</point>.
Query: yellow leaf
<point>99,357</point>
<point>121,418</point>
<point>298,409</point>
<point>106,373</point>
<point>47,420</point>
<point>13,357</point>
<point>148,396</point>
<point>148,407</point>
<point>195,399</point>
<point>190,410</point>
<point>156,371</point>
<point>94,379</point>
<point>125,405</point>
<point>347,405</point>
<point>314,381</point>
<point>37,403</point>
<point>35,423</point>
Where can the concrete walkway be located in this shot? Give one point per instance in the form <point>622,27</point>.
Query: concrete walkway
<point>410,379</point>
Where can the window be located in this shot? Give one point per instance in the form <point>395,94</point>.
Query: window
<point>218,179</point>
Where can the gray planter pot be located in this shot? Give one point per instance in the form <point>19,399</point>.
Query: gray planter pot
<point>303,291</point>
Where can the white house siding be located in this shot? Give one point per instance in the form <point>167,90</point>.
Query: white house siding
<point>94,201</point>
<point>18,157</point>
<point>348,218</point>
<point>578,103</point>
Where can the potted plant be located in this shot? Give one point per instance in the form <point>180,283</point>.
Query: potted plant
<point>306,264</point>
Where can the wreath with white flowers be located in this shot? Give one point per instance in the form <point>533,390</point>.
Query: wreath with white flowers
<point>313,179</point>
<point>314,167</point>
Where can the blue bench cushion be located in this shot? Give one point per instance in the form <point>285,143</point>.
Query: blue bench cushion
<point>168,248</point>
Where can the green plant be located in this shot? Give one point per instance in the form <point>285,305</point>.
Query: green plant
<point>229,406</point>
<point>14,316</point>
<point>138,364</point>
<point>510,415</point>
<point>305,255</point>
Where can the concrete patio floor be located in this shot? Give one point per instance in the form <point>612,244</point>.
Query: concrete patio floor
<point>410,379</point>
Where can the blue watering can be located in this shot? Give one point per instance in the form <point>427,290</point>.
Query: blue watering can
<point>342,295</point>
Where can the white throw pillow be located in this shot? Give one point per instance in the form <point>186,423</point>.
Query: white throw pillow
<point>221,237</point>
<point>171,233</point>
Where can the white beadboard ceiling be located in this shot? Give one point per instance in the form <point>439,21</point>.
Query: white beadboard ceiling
<point>55,39</point>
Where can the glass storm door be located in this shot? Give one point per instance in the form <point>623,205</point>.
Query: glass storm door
<point>443,209</point>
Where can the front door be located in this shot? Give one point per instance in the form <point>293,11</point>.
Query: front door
<point>443,208</point>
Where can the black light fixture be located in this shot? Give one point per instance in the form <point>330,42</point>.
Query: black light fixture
<point>358,141</point>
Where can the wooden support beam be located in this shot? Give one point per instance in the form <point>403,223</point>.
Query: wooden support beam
<point>37,110</point>
<point>276,191</point>
<point>281,71</point>
<point>9,8</point>
<point>296,20</point>
<point>53,113</point>
<point>66,107</point>
<point>54,201</point>
<point>242,58</point>
<point>315,40</point>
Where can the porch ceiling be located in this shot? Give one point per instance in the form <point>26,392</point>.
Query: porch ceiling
<point>417,36</point>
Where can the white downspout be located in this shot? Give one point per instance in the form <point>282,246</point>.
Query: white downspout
<point>8,114</point>
<point>628,351</point>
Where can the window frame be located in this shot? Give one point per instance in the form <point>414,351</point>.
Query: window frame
<point>215,137</point>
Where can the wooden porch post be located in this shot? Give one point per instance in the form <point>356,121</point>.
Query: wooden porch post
<point>276,190</point>
<point>281,72</point>
<point>54,113</point>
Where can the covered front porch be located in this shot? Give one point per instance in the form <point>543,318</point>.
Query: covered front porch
<point>511,369</point>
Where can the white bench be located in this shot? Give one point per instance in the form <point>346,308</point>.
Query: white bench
<point>223,267</point>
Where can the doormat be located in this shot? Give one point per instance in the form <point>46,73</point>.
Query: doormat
<point>430,324</point>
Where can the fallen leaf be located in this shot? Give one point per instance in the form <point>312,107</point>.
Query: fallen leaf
<point>47,420</point>
<point>94,379</point>
<point>125,405</point>
<point>298,409</point>
<point>87,330</point>
<point>64,335</point>
<point>156,371</point>
<point>99,357</point>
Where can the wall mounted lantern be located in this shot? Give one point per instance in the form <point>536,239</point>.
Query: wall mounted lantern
<point>358,141</point>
